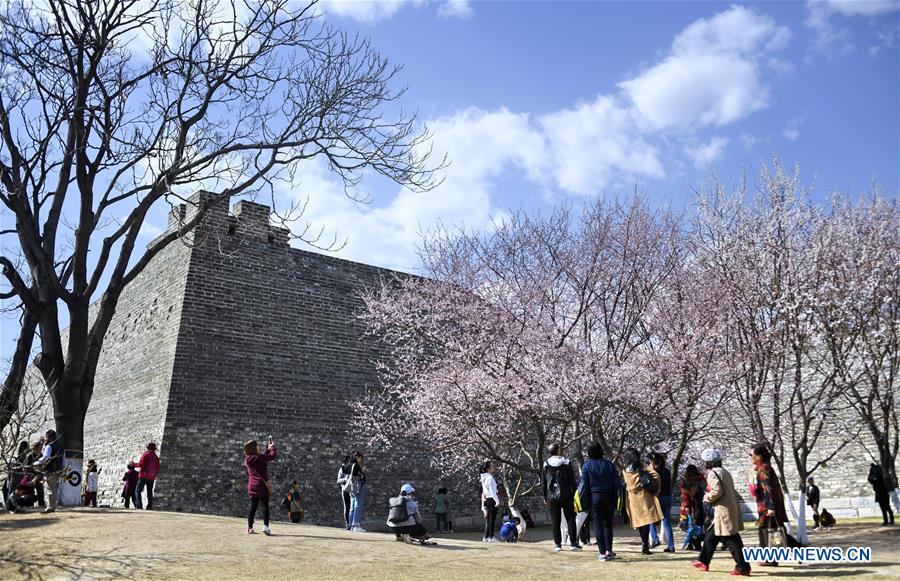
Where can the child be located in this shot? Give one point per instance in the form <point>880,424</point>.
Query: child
<point>130,489</point>
<point>441,510</point>
<point>90,484</point>
<point>509,532</point>
<point>295,511</point>
<point>826,520</point>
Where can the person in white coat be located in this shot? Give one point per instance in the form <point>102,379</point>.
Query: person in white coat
<point>490,501</point>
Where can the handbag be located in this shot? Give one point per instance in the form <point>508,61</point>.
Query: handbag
<point>775,535</point>
<point>647,482</point>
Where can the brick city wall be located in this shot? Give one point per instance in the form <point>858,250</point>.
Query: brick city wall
<point>236,335</point>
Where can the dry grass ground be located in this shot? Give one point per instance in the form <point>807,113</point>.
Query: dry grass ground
<point>100,544</point>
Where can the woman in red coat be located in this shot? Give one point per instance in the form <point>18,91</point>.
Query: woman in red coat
<point>258,486</point>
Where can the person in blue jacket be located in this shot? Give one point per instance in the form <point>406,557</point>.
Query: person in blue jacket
<point>600,480</point>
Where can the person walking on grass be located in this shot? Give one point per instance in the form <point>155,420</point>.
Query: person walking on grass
<point>879,485</point>
<point>599,489</point>
<point>727,522</point>
<point>558,484</point>
<point>812,501</point>
<point>665,504</point>
<point>693,486</point>
<point>490,501</point>
<point>149,469</point>
<point>641,486</point>
<point>259,489</point>
<point>766,489</point>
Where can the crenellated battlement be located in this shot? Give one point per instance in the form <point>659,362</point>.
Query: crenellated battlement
<point>246,221</point>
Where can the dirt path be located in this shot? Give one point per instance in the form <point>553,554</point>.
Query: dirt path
<point>139,545</point>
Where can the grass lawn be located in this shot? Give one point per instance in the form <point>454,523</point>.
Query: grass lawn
<point>92,544</point>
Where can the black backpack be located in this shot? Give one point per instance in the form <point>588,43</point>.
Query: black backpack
<point>554,487</point>
<point>398,513</point>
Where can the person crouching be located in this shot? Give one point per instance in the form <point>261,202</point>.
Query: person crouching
<point>403,515</point>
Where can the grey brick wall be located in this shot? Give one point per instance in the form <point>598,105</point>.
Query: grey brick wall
<point>236,335</point>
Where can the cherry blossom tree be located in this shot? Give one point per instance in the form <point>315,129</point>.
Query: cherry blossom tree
<point>521,337</point>
<point>859,314</point>
<point>765,248</point>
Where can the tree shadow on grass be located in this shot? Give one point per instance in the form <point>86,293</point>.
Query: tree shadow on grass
<point>15,522</point>
<point>41,566</point>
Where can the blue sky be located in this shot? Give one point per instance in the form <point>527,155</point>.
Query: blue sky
<point>539,103</point>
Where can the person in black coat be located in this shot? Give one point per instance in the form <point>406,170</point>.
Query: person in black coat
<point>876,479</point>
<point>558,482</point>
<point>812,500</point>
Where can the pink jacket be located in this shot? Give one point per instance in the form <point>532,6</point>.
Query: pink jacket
<point>258,473</point>
<point>149,465</point>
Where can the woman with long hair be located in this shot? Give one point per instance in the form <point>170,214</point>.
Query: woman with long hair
<point>259,489</point>
<point>642,504</point>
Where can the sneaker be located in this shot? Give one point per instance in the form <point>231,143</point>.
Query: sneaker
<point>736,573</point>
<point>491,540</point>
<point>49,510</point>
<point>557,548</point>
<point>611,554</point>
<point>483,539</point>
<point>267,531</point>
<point>602,557</point>
<point>250,531</point>
<point>654,544</point>
<point>669,550</point>
<point>575,548</point>
<point>699,565</point>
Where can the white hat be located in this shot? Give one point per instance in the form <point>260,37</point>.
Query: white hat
<point>711,455</point>
<point>407,489</point>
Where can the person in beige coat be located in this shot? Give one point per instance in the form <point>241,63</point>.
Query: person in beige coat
<point>726,523</point>
<point>642,505</point>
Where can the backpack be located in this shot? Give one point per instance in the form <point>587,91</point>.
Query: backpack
<point>398,513</point>
<point>554,487</point>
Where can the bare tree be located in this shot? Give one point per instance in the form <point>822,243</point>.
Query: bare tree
<point>31,414</point>
<point>111,107</point>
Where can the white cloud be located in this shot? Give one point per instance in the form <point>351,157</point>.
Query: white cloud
<point>792,128</point>
<point>366,11</point>
<point>596,144</point>
<point>831,38</point>
<point>860,7</point>
<point>711,77</point>
<point>482,145</point>
<point>455,9</point>
<point>706,153</point>
<point>372,11</point>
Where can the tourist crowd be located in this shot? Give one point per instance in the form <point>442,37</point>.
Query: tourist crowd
<point>579,502</point>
